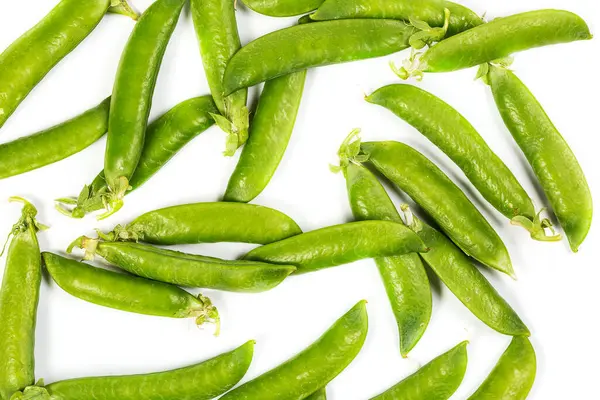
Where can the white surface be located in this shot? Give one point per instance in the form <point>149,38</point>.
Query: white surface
<point>555,294</point>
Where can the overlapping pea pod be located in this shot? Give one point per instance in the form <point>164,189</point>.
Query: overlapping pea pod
<point>203,381</point>
<point>29,58</point>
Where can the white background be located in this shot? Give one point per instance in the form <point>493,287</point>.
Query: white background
<point>556,293</point>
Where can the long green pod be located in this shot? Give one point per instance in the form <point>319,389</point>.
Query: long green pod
<point>549,155</point>
<point>318,395</point>
<point>132,95</point>
<point>270,133</point>
<point>282,8</point>
<point>165,137</point>
<point>429,187</point>
<point>437,380</point>
<point>19,297</point>
<point>313,368</point>
<point>203,381</point>
<point>216,29</point>
<point>311,45</point>
<point>127,292</point>
<point>340,244</point>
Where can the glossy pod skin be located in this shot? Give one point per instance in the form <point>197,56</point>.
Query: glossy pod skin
<point>203,381</point>
<point>513,376</point>
<point>270,132</point>
<point>282,8</point>
<point>311,45</point>
<point>340,244</point>
<point>19,298</point>
<point>313,368</point>
<point>209,223</point>
<point>429,187</point>
<point>437,380</point>
<point>54,144</point>
<point>549,155</point>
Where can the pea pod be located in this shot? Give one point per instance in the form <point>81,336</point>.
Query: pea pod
<point>165,137</point>
<point>19,298</point>
<point>549,155</point>
<point>126,292</point>
<point>186,269</point>
<point>132,96</point>
<point>216,29</point>
<point>318,395</point>
<point>282,8</point>
<point>270,133</point>
<point>437,380</point>
<point>313,368</point>
<point>203,381</point>
<point>311,45</point>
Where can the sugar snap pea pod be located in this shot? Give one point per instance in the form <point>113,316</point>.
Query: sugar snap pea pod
<point>270,133</point>
<point>216,28</point>
<point>313,368</point>
<point>54,144</point>
<point>282,8</point>
<point>340,244</point>
<point>126,292</point>
<point>186,269</point>
<point>132,96</point>
<point>318,395</point>
<point>311,45</point>
<point>19,298</point>
<point>203,381</point>
<point>123,8</point>
<point>429,187</point>
<point>513,375</point>
<point>549,155</point>
<point>164,138</point>
<point>437,380</point>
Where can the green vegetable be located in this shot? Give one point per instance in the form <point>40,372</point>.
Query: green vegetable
<point>282,8</point>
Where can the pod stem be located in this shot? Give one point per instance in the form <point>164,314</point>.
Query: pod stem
<point>235,126</point>
<point>88,200</point>
<point>36,392</point>
<point>207,313</point>
<point>112,200</point>
<point>122,7</point>
<point>537,228</point>
<point>89,245</point>
<point>26,221</point>
<point>349,152</point>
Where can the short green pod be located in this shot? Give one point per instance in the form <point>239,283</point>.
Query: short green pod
<point>549,155</point>
<point>19,297</point>
<point>270,132</point>
<point>186,269</point>
<point>203,381</point>
<point>429,187</point>
<point>165,137</point>
<point>132,94</point>
<point>126,292</point>
<point>54,144</point>
<point>208,223</point>
<point>216,29</point>
<point>318,395</point>
<point>282,8</point>
<point>313,368</point>
<point>306,46</point>
<point>513,376</point>
<point>437,380</point>
<point>340,244</point>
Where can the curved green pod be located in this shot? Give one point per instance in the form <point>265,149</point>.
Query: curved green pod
<point>340,244</point>
<point>282,8</point>
<point>429,187</point>
<point>270,133</point>
<point>437,380</point>
<point>203,381</point>
<point>313,368</point>
<point>312,45</point>
<point>549,155</point>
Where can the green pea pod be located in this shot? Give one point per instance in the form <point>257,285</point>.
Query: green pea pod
<point>132,95</point>
<point>203,381</point>
<point>216,28</point>
<point>340,244</point>
<point>437,380</point>
<point>186,269</point>
<point>54,144</point>
<point>429,187</point>
<point>126,292</point>
<point>19,298</point>
<point>313,368</point>
<point>513,375</point>
<point>165,137</point>
<point>549,155</point>
<point>318,395</point>
<point>208,223</point>
<point>312,45</point>
<point>270,133</point>
<point>282,8</point>
<point>123,8</point>
<point>29,58</point>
